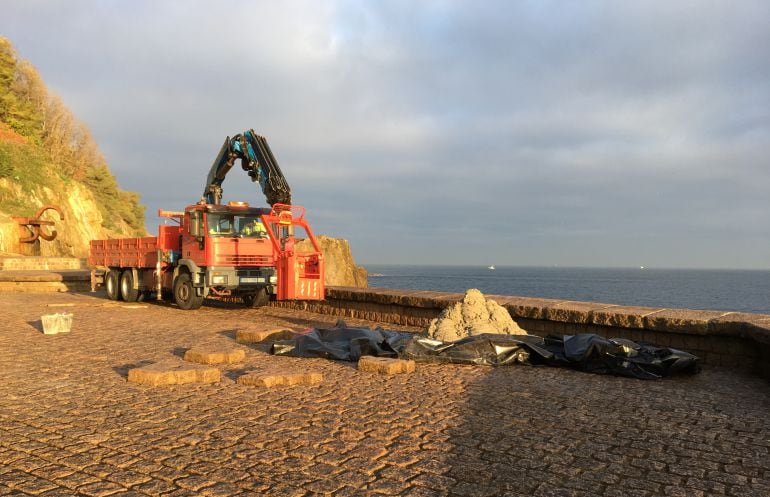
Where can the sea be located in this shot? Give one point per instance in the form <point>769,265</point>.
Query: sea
<point>706,289</point>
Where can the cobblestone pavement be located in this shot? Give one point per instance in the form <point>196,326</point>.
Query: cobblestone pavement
<point>70,424</point>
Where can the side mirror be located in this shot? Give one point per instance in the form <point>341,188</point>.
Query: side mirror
<point>196,227</point>
<point>196,224</point>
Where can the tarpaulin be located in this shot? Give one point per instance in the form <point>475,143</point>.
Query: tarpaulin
<point>586,352</point>
<point>596,354</point>
<point>343,343</point>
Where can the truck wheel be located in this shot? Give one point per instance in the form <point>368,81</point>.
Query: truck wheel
<point>184,293</point>
<point>111,284</point>
<point>256,299</point>
<point>127,290</point>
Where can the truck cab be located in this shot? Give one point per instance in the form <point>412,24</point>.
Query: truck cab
<point>227,253</point>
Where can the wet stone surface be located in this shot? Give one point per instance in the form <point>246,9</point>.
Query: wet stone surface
<point>70,423</point>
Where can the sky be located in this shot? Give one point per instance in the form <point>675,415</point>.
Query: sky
<point>527,133</point>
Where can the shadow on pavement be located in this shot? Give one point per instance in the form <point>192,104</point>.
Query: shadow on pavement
<point>36,324</point>
<point>123,369</point>
<point>496,448</point>
<point>227,334</point>
<point>179,351</point>
<point>546,431</point>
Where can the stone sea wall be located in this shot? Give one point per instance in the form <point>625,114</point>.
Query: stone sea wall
<point>730,339</point>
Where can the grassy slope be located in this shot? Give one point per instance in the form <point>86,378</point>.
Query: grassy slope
<point>35,127</point>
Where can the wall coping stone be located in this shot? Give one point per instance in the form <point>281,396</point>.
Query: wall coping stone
<point>686,321</point>
<point>44,275</point>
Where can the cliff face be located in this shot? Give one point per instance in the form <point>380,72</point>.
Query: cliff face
<point>48,157</point>
<point>82,220</point>
<point>341,269</point>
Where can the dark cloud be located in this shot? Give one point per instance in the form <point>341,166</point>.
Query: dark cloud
<point>590,133</point>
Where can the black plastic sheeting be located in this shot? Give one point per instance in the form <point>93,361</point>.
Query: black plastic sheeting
<point>585,352</point>
<point>344,344</point>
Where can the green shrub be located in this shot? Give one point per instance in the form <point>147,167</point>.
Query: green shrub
<point>58,145</point>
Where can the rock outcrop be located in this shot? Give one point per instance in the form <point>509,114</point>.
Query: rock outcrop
<point>49,158</point>
<point>82,221</point>
<point>341,269</point>
<point>473,315</point>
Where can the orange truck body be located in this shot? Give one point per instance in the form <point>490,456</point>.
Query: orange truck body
<point>205,253</point>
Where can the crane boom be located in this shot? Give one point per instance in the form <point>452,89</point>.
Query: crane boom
<point>256,159</point>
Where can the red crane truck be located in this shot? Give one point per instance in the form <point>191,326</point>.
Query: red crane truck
<point>219,250</point>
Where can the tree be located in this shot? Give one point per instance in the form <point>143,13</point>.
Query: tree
<point>16,108</point>
<point>60,143</point>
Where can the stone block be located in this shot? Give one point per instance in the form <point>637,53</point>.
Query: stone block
<point>258,336</point>
<point>274,379</point>
<point>622,316</point>
<point>215,354</point>
<point>530,308</point>
<point>681,321</point>
<point>708,343</point>
<point>738,347</point>
<point>755,327</point>
<point>532,325</point>
<point>385,365</point>
<point>172,373</point>
<point>730,361</point>
<point>573,312</point>
<point>676,341</point>
<point>732,323</point>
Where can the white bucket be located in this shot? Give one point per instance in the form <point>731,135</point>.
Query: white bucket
<point>57,323</point>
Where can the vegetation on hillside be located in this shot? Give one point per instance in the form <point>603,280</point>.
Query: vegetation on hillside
<point>42,141</point>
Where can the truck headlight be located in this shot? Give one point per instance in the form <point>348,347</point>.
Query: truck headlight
<point>219,280</point>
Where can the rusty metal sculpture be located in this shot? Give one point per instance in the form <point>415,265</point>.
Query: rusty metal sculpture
<point>34,226</point>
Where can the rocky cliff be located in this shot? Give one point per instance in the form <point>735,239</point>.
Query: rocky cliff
<point>82,220</point>
<point>341,269</point>
<point>48,157</point>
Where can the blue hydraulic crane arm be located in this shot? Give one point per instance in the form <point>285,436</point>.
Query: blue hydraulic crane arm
<point>257,160</point>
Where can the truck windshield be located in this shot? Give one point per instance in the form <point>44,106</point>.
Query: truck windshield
<point>235,225</point>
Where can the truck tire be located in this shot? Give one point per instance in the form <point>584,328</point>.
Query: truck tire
<point>127,290</point>
<point>258,299</point>
<point>112,285</point>
<point>184,293</point>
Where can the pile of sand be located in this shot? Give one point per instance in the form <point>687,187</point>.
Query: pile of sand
<point>473,315</point>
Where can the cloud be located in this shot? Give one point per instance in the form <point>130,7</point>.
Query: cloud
<point>531,133</point>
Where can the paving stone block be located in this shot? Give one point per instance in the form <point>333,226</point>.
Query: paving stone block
<point>385,365</point>
<point>172,373</point>
<point>257,336</point>
<point>260,379</point>
<point>215,354</point>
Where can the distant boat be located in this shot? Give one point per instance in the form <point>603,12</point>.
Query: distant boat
<point>491,268</point>
<point>641,267</point>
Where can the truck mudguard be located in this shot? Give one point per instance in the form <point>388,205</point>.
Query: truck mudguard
<point>190,266</point>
